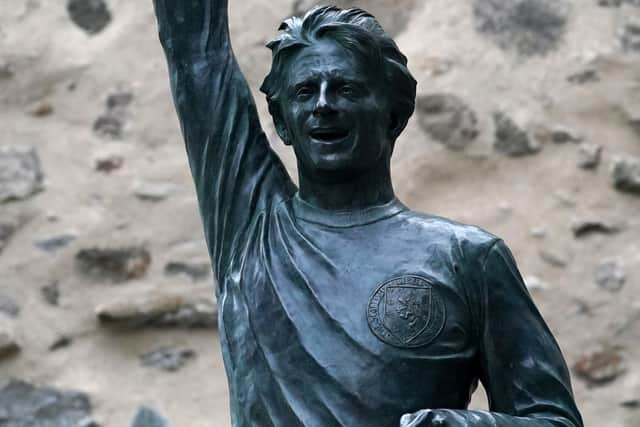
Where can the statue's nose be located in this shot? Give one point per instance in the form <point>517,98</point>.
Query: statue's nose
<point>324,104</point>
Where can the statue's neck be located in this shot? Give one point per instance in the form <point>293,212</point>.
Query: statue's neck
<point>349,191</point>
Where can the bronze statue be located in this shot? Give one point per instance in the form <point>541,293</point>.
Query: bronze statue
<point>339,306</point>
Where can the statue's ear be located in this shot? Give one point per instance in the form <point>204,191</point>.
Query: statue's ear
<point>278,121</point>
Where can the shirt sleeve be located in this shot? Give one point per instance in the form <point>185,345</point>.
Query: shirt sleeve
<point>521,365</point>
<point>236,173</point>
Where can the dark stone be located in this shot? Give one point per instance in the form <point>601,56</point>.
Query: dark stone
<point>562,135</point>
<point>160,311</point>
<point>7,230</point>
<point>589,156</point>
<point>90,15</point>
<point>511,140</point>
<point>9,306</point>
<point>630,37</point>
<point>196,271</point>
<point>586,76</point>
<point>447,119</point>
<point>117,264</point>
<point>601,367</point>
<point>588,227</point>
<point>149,418</point>
<point>610,3</point>
<point>8,347</point>
<point>626,175</point>
<point>60,342</point>
<point>119,100</point>
<point>51,293</point>
<point>5,72</point>
<point>109,163</point>
<point>25,405</point>
<point>109,125</point>
<point>631,404</point>
<point>20,173</point>
<point>610,275</point>
<point>528,27</point>
<point>167,358</point>
<point>52,244</point>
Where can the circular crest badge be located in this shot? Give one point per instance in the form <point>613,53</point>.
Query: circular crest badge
<point>406,312</point>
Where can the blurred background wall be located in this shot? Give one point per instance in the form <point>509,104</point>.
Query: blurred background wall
<point>528,124</point>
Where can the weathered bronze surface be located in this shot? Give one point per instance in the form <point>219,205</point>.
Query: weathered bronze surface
<point>339,306</point>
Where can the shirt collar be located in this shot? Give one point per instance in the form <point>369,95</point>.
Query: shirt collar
<point>345,218</point>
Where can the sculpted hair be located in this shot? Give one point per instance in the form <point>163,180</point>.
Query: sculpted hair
<point>358,32</point>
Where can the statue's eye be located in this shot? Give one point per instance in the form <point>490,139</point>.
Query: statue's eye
<point>347,90</point>
<point>304,92</point>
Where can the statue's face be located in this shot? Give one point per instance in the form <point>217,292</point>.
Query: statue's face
<point>335,111</point>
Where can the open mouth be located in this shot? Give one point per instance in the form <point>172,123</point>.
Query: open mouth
<point>329,135</point>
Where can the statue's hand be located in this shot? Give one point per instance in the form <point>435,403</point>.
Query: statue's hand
<point>433,418</point>
<point>193,24</point>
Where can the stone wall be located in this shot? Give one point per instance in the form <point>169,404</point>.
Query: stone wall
<point>528,124</point>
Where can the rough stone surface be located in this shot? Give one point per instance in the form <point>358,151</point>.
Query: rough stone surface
<point>153,191</point>
<point>589,155</point>
<point>117,264</point>
<point>26,405</point>
<point>8,306</point>
<point>41,109</point>
<point>196,271</point>
<point>510,139</point>
<point>147,417</point>
<point>626,175</point>
<point>538,232</point>
<point>528,27</point>
<point>553,258</point>
<point>535,284</point>
<point>90,15</point>
<point>168,359</point>
<point>20,172</point>
<point>393,15</point>
<point>600,367</point>
<point>447,119</point>
<point>610,275</point>
<point>160,311</point>
<point>54,243</point>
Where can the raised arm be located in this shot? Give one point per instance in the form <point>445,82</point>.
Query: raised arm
<point>522,368</point>
<point>235,172</point>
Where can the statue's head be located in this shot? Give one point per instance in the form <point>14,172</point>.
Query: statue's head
<point>339,90</point>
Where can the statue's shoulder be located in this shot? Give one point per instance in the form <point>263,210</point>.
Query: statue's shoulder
<point>469,238</point>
